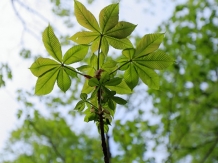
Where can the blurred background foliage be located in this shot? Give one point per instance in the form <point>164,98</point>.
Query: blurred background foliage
<point>181,126</point>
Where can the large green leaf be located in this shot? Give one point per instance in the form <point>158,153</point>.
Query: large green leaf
<point>42,65</point>
<point>63,80</point>
<point>119,100</point>
<point>148,44</point>
<point>95,45</point>
<point>121,30</point>
<point>109,17</point>
<point>113,81</point>
<point>52,44</point>
<point>129,53</point>
<point>45,83</point>
<point>156,60</point>
<point>130,76</point>
<point>85,17</point>
<point>119,43</point>
<point>148,76</point>
<point>75,54</point>
<point>84,37</point>
<point>70,71</point>
<point>104,46</point>
<point>121,88</point>
<point>109,65</point>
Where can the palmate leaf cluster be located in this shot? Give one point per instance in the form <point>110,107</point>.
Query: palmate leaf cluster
<point>102,83</point>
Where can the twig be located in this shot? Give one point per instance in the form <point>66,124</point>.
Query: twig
<point>210,151</point>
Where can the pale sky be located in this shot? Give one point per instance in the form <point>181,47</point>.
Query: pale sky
<point>10,44</point>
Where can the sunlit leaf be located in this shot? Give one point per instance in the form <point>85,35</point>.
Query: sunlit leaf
<point>93,82</point>
<point>148,76</point>
<point>83,96</point>
<point>148,44</point>
<point>42,65</point>
<point>80,106</point>
<point>52,44</point>
<point>45,83</point>
<point>84,37</point>
<point>130,76</point>
<point>109,17</point>
<point>104,46</point>
<point>121,30</point>
<point>70,71</point>
<point>75,54</point>
<point>85,17</point>
<point>121,88</point>
<point>95,45</point>
<point>156,60</point>
<point>113,81</point>
<point>63,80</point>
<point>128,53</point>
<point>109,65</point>
<point>119,43</point>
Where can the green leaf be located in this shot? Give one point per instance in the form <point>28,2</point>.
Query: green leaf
<point>75,54</point>
<point>109,17</point>
<point>113,81</point>
<point>45,83</point>
<point>85,17</point>
<point>86,88</point>
<point>84,37</point>
<point>121,30</point>
<point>42,65</point>
<point>52,44</point>
<point>93,82</point>
<point>148,44</point>
<point>109,65</point>
<point>104,46</point>
<point>148,76</point>
<point>93,60</point>
<point>89,116</point>
<point>70,71</point>
<point>63,80</point>
<point>128,53</point>
<point>119,100</point>
<point>95,45</point>
<point>156,60</point>
<point>83,96</point>
<point>80,106</point>
<point>111,104</point>
<point>119,43</point>
<point>121,88</point>
<point>131,77</point>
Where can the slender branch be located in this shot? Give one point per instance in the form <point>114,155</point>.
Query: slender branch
<point>119,67</point>
<point>108,147</point>
<point>103,141</point>
<point>100,112</point>
<point>87,76</point>
<point>50,141</point>
<point>99,50</point>
<point>22,21</point>
<point>210,151</point>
